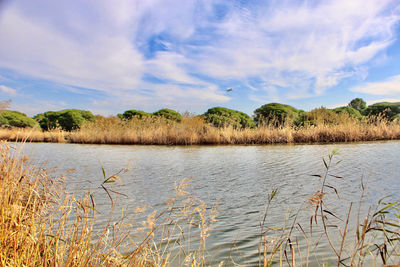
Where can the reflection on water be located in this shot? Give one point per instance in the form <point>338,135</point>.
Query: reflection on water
<point>239,177</point>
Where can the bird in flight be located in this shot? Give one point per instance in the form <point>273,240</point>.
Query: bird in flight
<point>229,90</point>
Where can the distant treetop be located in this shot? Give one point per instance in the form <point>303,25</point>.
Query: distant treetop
<point>16,119</point>
<point>388,110</point>
<point>68,119</point>
<point>129,114</point>
<point>224,117</point>
<point>169,114</point>
<point>275,113</point>
<point>358,104</point>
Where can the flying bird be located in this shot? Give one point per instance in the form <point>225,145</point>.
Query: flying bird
<point>229,90</point>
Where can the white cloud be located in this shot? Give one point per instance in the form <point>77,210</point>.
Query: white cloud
<point>8,90</point>
<point>38,106</point>
<point>99,62</point>
<point>296,49</point>
<point>169,66</point>
<point>152,97</point>
<point>371,102</point>
<point>390,86</point>
<point>324,43</point>
<point>68,48</point>
<point>177,97</point>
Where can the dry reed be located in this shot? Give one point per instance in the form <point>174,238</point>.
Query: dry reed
<point>193,130</point>
<point>42,226</point>
<point>357,239</point>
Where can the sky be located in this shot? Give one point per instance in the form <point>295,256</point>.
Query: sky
<point>111,56</point>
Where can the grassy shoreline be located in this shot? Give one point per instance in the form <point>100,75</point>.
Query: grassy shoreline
<point>194,131</point>
<point>42,225</point>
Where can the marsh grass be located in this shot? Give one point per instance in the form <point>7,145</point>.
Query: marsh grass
<point>41,225</point>
<point>359,238</point>
<point>193,130</point>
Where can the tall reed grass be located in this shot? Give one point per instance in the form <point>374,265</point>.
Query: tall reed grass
<point>40,225</point>
<point>359,238</point>
<point>193,130</point>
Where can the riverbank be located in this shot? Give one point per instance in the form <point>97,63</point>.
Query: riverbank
<point>193,131</point>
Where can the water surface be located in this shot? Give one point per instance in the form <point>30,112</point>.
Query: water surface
<point>238,177</point>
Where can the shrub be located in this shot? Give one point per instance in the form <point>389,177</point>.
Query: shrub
<point>358,104</point>
<point>276,114</point>
<point>47,120</point>
<point>68,119</point>
<point>169,114</point>
<point>223,117</point>
<point>16,119</point>
<point>350,111</point>
<point>386,109</point>
<point>129,114</point>
<point>320,116</point>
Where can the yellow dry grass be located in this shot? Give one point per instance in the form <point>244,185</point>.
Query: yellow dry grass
<point>33,135</point>
<point>40,225</point>
<point>193,130</point>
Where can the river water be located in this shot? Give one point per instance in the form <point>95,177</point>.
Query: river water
<point>238,178</point>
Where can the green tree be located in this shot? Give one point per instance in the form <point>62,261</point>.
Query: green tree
<point>47,120</point>
<point>223,117</point>
<point>169,114</point>
<point>68,119</point>
<point>349,110</point>
<point>387,109</point>
<point>320,116</point>
<point>16,119</point>
<point>276,114</point>
<point>129,114</point>
<point>358,104</point>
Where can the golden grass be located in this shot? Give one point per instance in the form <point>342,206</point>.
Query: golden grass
<point>192,130</point>
<point>42,226</point>
<point>33,135</point>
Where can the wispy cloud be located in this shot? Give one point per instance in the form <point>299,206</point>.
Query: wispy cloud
<point>321,43</point>
<point>38,106</point>
<point>8,90</point>
<point>190,48</point>
<point>101,62</point>
<point>390,86</point>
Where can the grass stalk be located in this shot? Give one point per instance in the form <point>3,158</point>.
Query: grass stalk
<point>193,130</point>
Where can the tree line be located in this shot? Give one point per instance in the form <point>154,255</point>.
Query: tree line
<point>274,114</point>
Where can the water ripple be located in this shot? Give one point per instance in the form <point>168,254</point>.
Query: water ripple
<point>240,177</point>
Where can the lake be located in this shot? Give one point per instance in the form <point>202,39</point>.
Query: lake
<point>237,177</point>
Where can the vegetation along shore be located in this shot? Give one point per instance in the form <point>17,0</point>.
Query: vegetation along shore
<point>42,225</point>
<point>271,123</point>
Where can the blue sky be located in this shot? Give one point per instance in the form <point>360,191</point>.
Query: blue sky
<point>111,56</point>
